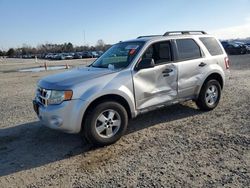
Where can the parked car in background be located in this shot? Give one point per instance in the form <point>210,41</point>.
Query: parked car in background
<point>245,44</point>
<point>27,56</point>
<point>77,55</point>
<point>248,47</point>
<point>41,56</point>
<point>69,55</point>
<point>94,54</point>
<point>86,54</point>
<point>50,56</point>
<point>100,53</point>
<point>233,48</point>
<point>59,56</point>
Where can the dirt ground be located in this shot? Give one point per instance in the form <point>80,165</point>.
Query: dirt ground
<point>178,146</point>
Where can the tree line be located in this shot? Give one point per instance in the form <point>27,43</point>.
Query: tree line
<point>43,49</point>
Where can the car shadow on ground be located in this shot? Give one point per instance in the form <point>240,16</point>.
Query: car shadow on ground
<point>31,145</point>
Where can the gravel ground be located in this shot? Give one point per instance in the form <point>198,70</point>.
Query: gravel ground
<point>178,146</point>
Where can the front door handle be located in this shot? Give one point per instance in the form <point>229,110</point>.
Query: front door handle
<point>167,71</point>
<point>202,64</point>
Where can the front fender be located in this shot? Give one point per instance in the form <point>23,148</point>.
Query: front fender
<point>119,84</point>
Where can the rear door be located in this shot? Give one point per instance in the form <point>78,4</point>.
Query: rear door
<point>191,64</point>
<point>157,85</point>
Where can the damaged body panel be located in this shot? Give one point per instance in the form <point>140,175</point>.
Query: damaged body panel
<point>190,76</point>
<point>155,86</point>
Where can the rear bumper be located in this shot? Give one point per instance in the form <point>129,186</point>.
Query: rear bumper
<point>66,117</point>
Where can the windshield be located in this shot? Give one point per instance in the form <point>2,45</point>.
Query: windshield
<point>119,55</point>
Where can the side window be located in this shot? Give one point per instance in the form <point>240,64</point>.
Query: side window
<point>212,45</point>
<point>188,49</point>
<point>160,52</point>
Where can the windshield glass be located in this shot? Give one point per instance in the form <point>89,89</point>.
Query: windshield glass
<point>119,55</point>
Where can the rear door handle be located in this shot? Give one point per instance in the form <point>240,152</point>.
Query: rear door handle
<point>202,64</point>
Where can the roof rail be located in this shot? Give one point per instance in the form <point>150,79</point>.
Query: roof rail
<point>149,36</point>
<point>183,33</point>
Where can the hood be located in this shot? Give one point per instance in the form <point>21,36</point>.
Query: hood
<point>68,79</point>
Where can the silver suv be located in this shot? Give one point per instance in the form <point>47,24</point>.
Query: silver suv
<point>131,78</point>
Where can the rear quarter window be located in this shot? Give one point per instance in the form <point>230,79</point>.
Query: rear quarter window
<point>188,49</point>
<point>212,45</point>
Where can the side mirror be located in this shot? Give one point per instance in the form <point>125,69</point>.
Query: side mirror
<point>145,64</point>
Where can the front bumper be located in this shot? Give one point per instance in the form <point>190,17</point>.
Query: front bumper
<point>66,116</point>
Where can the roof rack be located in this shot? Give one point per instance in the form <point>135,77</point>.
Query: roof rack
<point>184,33</point>
<point>149,36</point>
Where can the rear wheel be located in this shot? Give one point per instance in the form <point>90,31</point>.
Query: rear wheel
<point>209,96</point>
<point>106,123</point>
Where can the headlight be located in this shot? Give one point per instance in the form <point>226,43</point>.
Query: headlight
<point>57,97</point>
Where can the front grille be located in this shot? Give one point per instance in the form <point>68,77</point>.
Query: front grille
<point>42,96</point>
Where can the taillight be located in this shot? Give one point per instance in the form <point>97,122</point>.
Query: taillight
<point>227,62</point>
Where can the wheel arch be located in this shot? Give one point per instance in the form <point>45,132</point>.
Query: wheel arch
<point>109,97</point>
<point>215,75</point>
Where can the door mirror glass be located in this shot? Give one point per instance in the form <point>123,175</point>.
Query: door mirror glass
<point>145,63</point>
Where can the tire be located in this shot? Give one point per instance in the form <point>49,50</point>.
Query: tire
<point>209,96</point>
<point>105,124</point>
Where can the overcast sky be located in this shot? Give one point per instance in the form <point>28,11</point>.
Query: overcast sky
<point>34,22</point>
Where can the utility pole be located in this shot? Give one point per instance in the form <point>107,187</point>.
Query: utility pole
<point>84,38</point>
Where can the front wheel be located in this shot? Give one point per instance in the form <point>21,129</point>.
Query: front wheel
<point>209,96</point>
<point>105,123</point>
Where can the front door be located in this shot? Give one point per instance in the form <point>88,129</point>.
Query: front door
<point>156,85</point>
